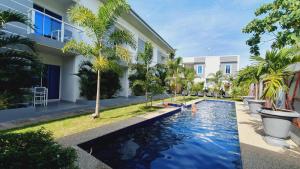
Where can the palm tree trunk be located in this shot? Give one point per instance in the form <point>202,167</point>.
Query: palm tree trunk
<point>175,91</point>
<point>256,90</point>
<point>96,114</point>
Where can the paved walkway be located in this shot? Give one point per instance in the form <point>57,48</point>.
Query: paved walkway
<point>256,153</point>
<point>18,117</point>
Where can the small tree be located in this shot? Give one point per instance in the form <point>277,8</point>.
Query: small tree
<point>146,58</point>
<point>188,78</point>
<point>217,79</point>
<point>174,71</point>
<point>252,74</point>
<point>106,49</point>
<point>18,62</point>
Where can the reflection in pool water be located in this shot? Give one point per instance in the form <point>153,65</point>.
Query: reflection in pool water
<point>185,140</point>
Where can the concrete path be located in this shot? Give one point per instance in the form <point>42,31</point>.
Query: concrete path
<point>23,116</point>
<point>256,153</point>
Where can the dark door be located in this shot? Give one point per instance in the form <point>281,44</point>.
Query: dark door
<point>51,80</point>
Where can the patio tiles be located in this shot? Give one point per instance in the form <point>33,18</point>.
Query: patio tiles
<point>256,153</point>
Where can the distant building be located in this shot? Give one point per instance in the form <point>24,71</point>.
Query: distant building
<point>205,66</point>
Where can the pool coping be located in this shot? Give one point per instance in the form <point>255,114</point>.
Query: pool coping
<point>86,160</point>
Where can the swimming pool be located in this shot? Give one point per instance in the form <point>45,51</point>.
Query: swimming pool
<point>183,140</point>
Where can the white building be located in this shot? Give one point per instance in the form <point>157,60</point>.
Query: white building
<point>205,66</point>
<point>53,29</point>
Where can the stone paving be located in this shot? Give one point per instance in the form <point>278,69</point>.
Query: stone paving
<point>256,153</point>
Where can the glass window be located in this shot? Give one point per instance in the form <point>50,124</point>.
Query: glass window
<point>141,45</point>
<point>199,69</point>
<point>227,69</point>
<point>45,25</point>
<point>140,48</point>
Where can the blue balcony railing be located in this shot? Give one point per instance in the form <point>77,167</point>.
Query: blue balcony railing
<point>51,27</point>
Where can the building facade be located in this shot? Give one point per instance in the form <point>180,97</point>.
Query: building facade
<point>52,30</point>
<point>205,66</point>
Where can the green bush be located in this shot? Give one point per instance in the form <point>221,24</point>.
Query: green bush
<point>109,84</point>
<point>138,72</point>
<point>34,150</point>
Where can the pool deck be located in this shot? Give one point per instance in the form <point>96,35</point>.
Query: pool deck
<point>256,153</point>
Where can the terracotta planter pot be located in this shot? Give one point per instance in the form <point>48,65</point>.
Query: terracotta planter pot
<point>255,105</point>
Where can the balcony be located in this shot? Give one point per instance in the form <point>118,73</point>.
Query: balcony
<point>48,27</point>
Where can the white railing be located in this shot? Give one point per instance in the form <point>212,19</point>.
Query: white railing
<point>52,27</point>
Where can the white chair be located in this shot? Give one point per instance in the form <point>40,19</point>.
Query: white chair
<point>40,96</point>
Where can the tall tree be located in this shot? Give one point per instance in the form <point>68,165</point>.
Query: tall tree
<point>18,62</point>
<point>106,47</point>
<point>280,20</point>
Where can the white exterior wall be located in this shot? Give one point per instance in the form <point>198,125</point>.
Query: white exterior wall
<point>69,83</point>
<point>121,23</point>
<point>212,65</point>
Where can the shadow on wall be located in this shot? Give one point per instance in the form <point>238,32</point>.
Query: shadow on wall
<point>258,158</point>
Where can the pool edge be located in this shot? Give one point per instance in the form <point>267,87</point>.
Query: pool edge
<point>86,160</point>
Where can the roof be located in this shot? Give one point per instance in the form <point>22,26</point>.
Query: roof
<point>151,29</point>
<point>223,58</point>
<point>137,18</point>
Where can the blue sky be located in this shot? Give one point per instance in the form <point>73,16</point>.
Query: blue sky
<point>201,27</point>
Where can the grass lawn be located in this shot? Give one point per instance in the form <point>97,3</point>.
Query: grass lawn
<point>76,124</point>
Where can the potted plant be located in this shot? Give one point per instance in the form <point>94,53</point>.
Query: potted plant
<point>277,122</point>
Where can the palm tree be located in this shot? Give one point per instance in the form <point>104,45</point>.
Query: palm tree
<point>217,78</point>
<point>251,74</point>
<point>188,77</point>
<point>18,61</point>
<point>174,71</point>
<point>274,67</point>
<point>106,48</point>
<point>276,60</point>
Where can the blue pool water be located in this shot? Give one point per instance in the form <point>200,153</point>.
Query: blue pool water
<point>185,140</point>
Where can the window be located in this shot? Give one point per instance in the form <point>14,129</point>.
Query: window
<point>199,69</point>
<point>140,49</point>
<point>47,26</point>
<point>141,46</point>
<point>227,69</point>
<point>161,57</point>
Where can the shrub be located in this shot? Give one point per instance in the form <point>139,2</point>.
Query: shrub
<point>138,72</point>
<point>36,150</point>
<point>110,82</point>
